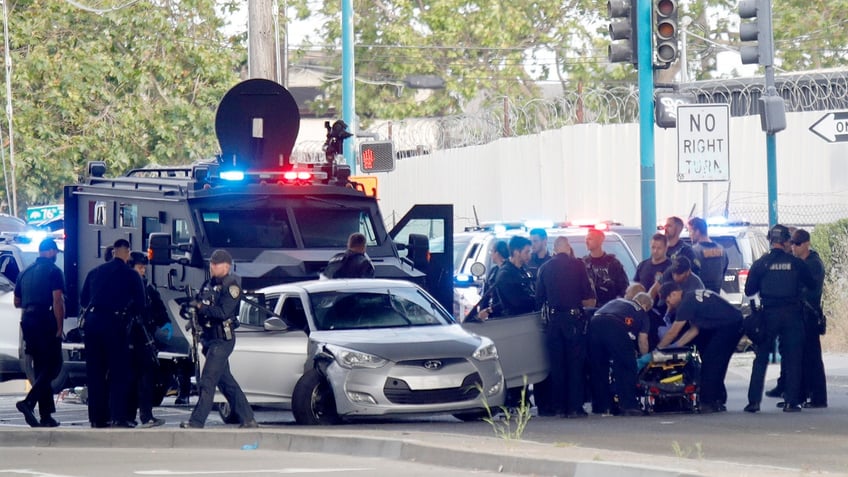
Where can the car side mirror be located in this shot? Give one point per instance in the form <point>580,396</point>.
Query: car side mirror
<point>159,249</point>
<point>418,250</point>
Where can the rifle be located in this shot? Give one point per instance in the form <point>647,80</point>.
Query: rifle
<point>189,312</point>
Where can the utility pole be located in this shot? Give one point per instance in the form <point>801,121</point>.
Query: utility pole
<point>261,54</point>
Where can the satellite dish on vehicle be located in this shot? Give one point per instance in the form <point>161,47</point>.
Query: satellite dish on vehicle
<point>257,124</point>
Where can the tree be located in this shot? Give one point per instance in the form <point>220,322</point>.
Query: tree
<point>132,87</point>
<point>480,48</point>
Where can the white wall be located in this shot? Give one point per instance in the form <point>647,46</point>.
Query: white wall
<point>592,171</point>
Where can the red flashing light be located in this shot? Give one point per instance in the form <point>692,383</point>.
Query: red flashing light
<point>297,177</point>
<point>601,226</point>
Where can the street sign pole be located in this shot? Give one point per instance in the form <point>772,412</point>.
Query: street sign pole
<point>646,124</point>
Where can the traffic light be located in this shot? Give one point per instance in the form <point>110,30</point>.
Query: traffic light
<point>624,47</point>
<point>377,156</point>
<point>758,30</point>
<point>665,33</point>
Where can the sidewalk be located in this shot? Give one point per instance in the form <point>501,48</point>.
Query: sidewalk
<point>456,451</point>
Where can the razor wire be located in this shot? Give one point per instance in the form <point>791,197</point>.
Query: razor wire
<point>509,117</point>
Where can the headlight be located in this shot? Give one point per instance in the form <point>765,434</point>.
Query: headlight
<point>485,351</point>
<point>350,359</point>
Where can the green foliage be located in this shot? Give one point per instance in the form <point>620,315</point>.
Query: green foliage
<point>479,48</point>
<point>132,87</point>
<point>509,423</point>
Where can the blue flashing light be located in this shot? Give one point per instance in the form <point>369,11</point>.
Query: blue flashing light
<point>232,175</point>
<point>34,236</point>
<point>463,279</point>
<point>717,220</point>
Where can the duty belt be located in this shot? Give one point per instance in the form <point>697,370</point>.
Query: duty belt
<point>574,312</point>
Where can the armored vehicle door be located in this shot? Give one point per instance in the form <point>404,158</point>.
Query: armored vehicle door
<point>424,236</point>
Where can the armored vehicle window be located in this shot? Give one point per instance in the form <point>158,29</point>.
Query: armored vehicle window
<point>128,215</point>
<point>181,232</point>
<point>330,228</point>
<point>434,229</point>
<point>97,213</point>
<point>255,228</point>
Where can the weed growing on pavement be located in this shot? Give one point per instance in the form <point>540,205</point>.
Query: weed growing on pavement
<point>510,422</point>
<point>686,453</point>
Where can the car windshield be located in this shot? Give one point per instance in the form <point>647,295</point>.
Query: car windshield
<point>375,308</point>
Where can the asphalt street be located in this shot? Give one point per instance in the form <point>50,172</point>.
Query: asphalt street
<point>733,443</point>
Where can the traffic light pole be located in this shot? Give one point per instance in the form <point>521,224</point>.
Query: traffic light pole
<point>646,124</point>
<point>771,154</point>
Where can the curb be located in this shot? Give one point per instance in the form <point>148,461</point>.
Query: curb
<point>455,451</point>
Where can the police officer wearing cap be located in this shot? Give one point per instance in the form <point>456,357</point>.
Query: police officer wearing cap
<point>145,359</point>
<point>778,277</point>
<point>39,294</point>
<point>217,306</point>
<point>112,295</point>
<point>563,285</point>
<point>616,332</point>
<point>714,326</point>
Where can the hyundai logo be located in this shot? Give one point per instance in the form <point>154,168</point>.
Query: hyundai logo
<point>432,364</point>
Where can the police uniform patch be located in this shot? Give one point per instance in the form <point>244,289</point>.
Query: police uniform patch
<point>235,291</point>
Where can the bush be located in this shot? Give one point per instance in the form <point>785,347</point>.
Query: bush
<point>831,242</point>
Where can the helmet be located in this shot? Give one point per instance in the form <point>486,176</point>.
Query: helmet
<point>779,234</point>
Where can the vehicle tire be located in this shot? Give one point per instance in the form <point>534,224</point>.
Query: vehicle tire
<point>313,403</point>
<point>473,415</point>
<point>59,383</point>
<point>227,414</point>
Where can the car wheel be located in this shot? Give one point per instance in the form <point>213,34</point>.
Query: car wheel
<point>59,383</point>
<point>227,414</point>
<point>473,415</point>
<point>313,403</point>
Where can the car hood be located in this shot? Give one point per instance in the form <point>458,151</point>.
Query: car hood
<point>399,344</point>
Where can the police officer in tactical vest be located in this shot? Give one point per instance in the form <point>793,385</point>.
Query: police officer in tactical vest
<point>779,277</point>
<point>217,305</point>
<point>39,293</point>
<point>113,295</point>
<point>352,263</point>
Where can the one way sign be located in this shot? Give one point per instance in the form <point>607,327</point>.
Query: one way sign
<point>832,127</point>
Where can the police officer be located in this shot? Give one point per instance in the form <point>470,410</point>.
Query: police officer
<point>715,326</point>
<point>778,277</point>
<point>39,293</point>
<point>563,286</point>
<point>616,332</point>
<point>513,293</point>
<point>710,262</point>
<point>217,306</point>
<point>112,293</point>
<point>538,251</point>
<point>144,352</point>
<point>352,263</point>
<point>813,379</point>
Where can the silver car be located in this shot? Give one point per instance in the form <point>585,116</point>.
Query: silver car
<point>362,347</point>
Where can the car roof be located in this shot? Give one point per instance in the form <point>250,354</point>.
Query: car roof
<point>336,284</point>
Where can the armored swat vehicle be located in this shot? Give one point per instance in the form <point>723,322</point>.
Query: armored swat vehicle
<point>281,221</point>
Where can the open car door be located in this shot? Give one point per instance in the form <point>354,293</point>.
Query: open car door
<point>521,346</point>
<point>425,236</point>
